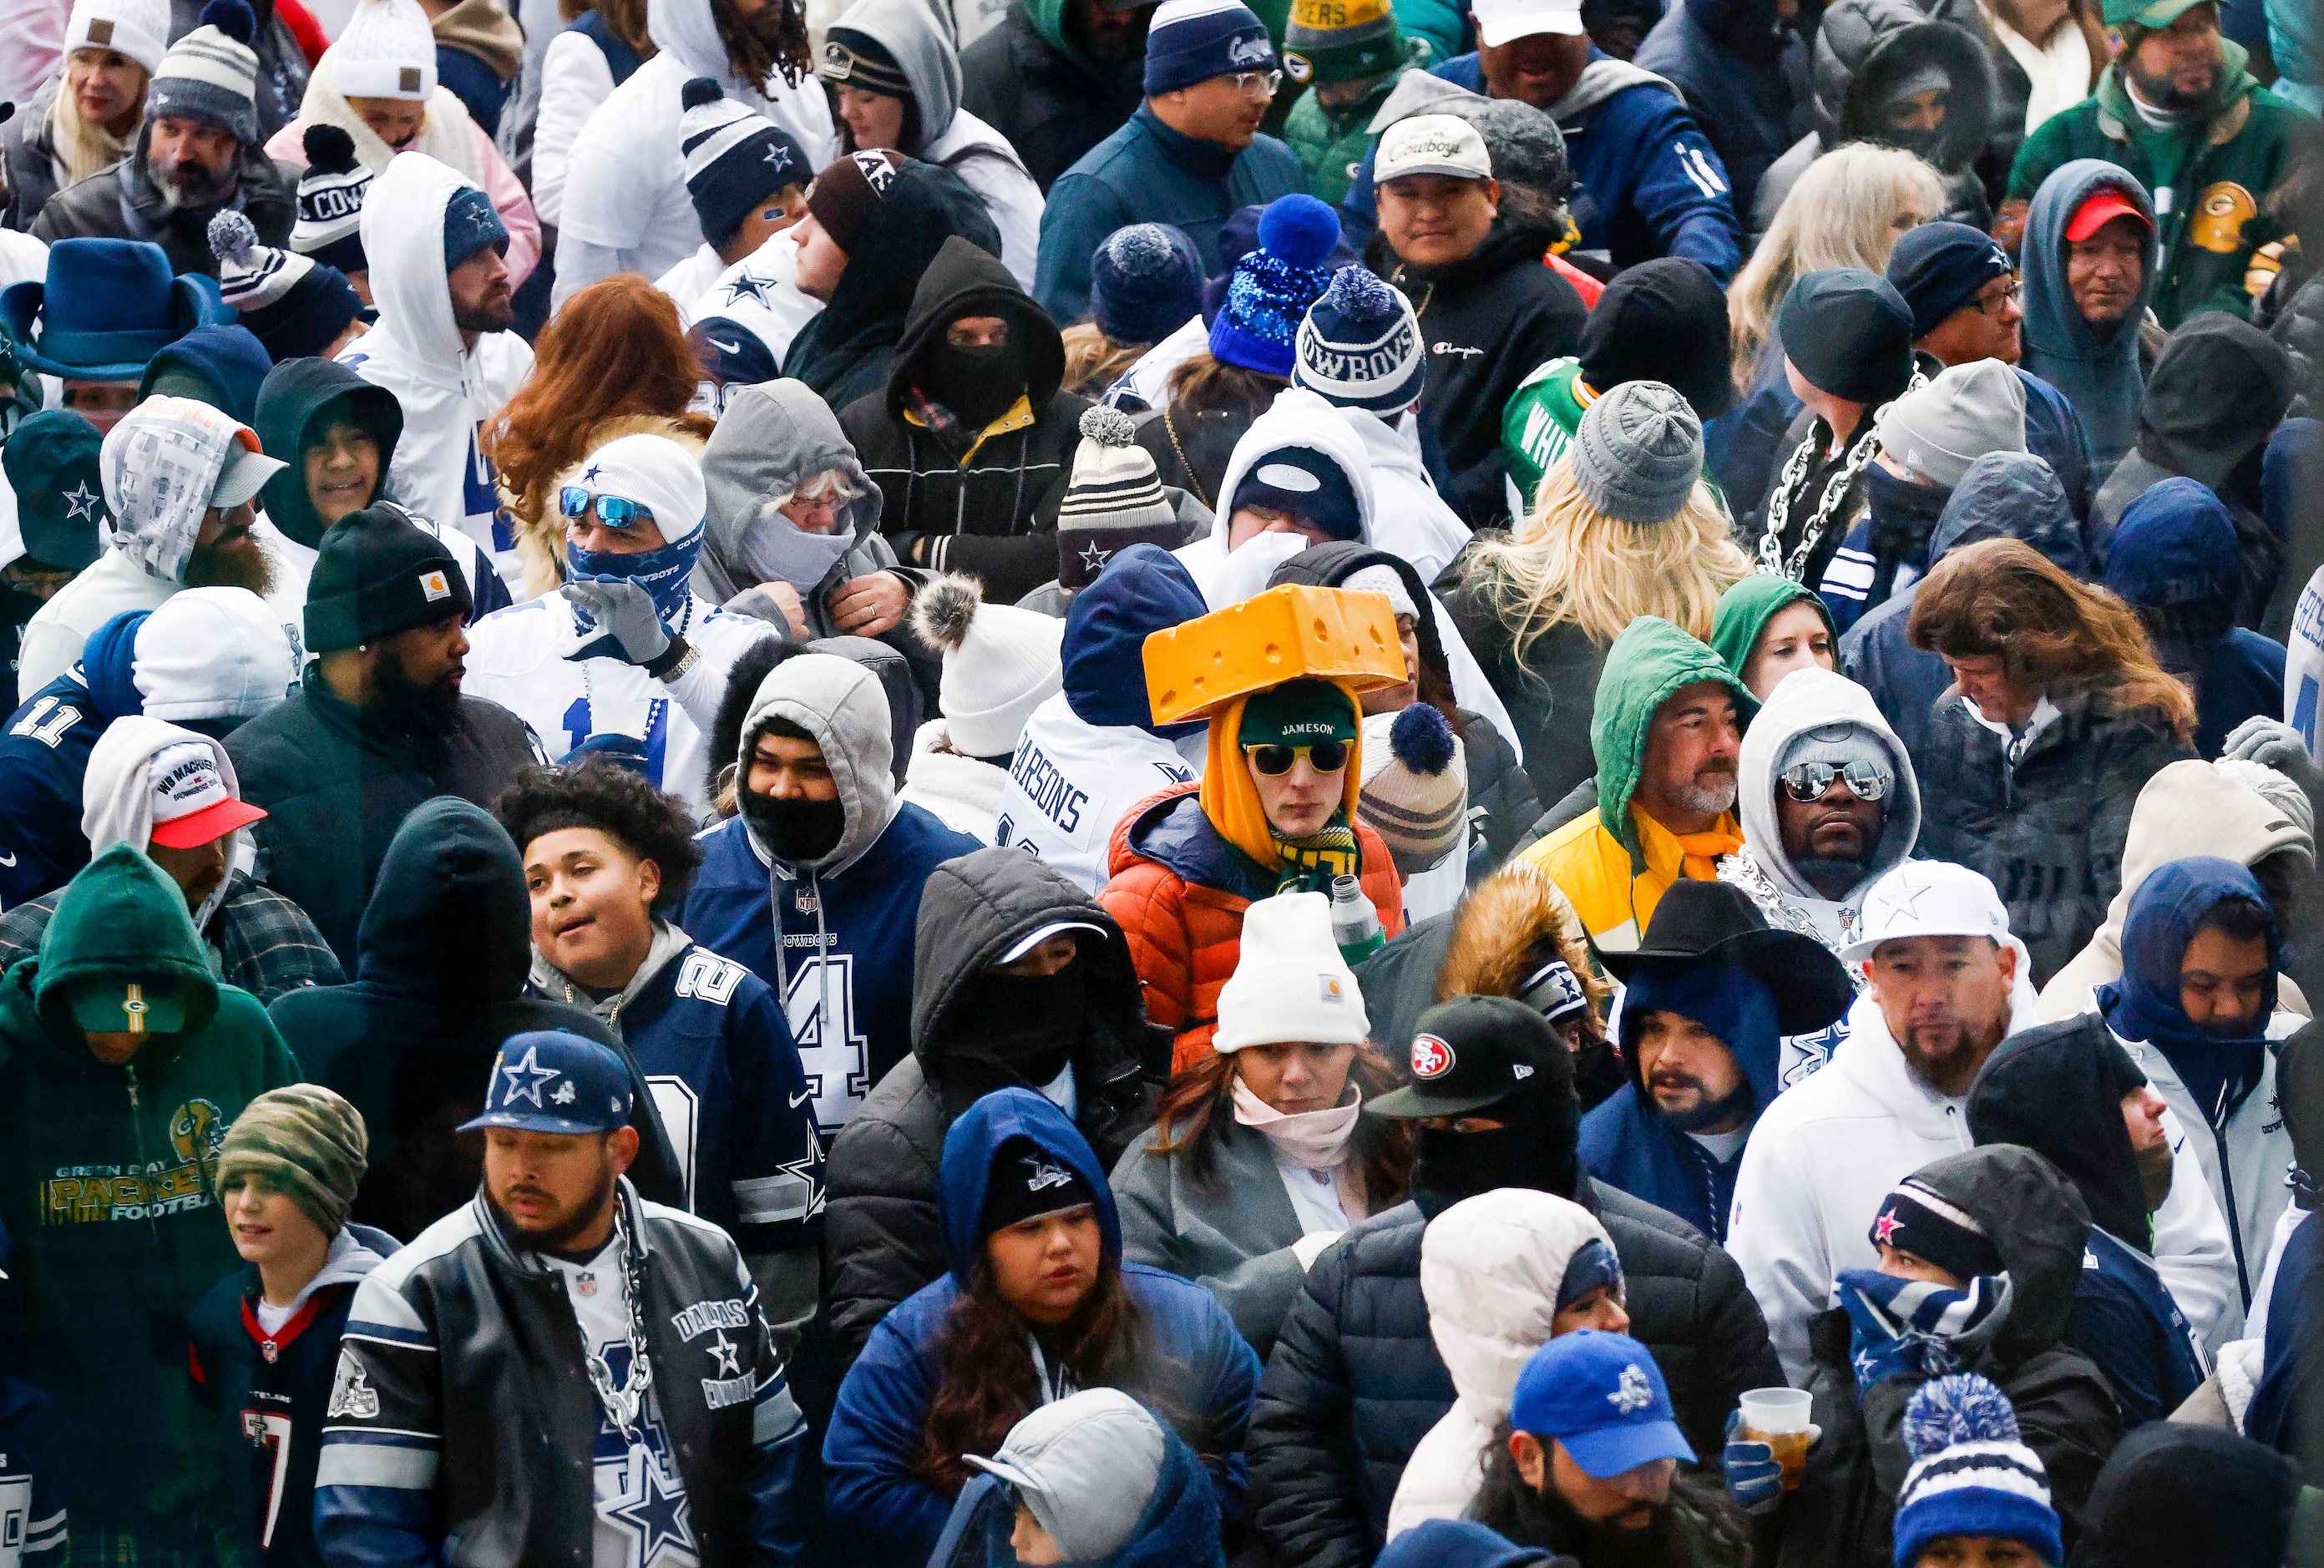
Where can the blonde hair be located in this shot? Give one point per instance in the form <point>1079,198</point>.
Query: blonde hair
<point>1842,212</point>
<point>82,148</point>
<point>1570,562</point>
<point>1094,360</point>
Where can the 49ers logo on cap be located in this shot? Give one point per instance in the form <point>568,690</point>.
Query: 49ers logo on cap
<point>1431,1056</point>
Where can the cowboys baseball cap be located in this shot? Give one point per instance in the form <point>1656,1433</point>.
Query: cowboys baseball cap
<point>1432,145</point>
<point>1602,1396</point>
<point>1470,1053</point>
<point>550,1081</point>
<point>115,1005</point>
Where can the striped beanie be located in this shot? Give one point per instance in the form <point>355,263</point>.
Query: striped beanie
<point>1360,346</point>
<point>1415,784</point>
<point>1341,41</point>
<point>386,51</point>
<point>136,30</point>
<point>329,226</point>
<point>211,74</point>
<point>1917,1218</point>
<point>295,306</point>
<point>734,159</point>
<point>1972,1473</point>
<point>1113,500</point>
<point>1193,40</point>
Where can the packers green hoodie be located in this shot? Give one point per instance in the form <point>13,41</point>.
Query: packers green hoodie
<point>106,1177</point>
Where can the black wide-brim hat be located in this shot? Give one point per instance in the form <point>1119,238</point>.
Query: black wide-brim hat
<point>1703,921</point>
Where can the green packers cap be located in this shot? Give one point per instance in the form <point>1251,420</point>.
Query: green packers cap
<point>2151,15</point>
<point>1341,41</point>
<point>130,1007</point>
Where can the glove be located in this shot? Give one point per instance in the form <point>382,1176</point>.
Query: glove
<point>1902,1328</point>
<point>1310,1247</point>
<point>623,613</point>
<point>1754,1479</point>
<point>2273,743</point>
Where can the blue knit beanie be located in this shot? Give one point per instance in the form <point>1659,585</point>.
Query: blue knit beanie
<point>1193,40</point>
<point>470,224</point>
<point>1145,281</point>
<point>1274,284</point>
<point>1360,346</point>
<point>1972,1473</point>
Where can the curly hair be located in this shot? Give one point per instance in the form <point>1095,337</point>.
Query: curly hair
<point>595,793</point>
<point>1186,1121</point>
<point>755,57</point>
<point>2004,598</point>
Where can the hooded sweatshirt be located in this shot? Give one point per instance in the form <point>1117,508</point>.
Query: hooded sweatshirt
<point>833,936</point>
<point>447,389</point>
<point>1744,609</point>
<point>2102,379</point>
<point>773,438</point>
<point>1036,87</point>
<point>109,1188</point>
<point>1181,1357</point>
<point>1297,418</point>
<point>1177,1525</point>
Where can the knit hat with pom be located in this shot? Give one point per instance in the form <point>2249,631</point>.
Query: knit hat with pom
<point>1359,346</point>
<point>1972,1473</point>
<point>734,159</point>
<point>1415,786</point>
<point>1000,663</point>
<point>387,49</point>
<point>211,74</point>
<point>1274,285</point>
<point>1113,500</point>
<point>292,304</point>
<point>331,201</point>
<point>1145,281</point>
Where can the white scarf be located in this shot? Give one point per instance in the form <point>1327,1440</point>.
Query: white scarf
<point>445,132</point>
<point>1310,1139</point>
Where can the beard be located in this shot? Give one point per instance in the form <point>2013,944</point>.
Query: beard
<point>231,560</point>
<point>2154,1173</point>
<point>2162,92</point>
<point>428,708</point>
<point>558,1237</point>
<point>496,312</point>
<point>1645,1536</point>
<point>1712,791</point>
<point>188,184</point>
<point>1833,878</point>
<point>1706,1111</point>
<point>1950,1063</point>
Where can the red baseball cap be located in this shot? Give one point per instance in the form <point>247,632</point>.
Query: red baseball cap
<point>192,803</point>
<point>2101,208</point>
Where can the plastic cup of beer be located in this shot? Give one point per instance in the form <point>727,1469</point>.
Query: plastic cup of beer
<point>1778,1417</point>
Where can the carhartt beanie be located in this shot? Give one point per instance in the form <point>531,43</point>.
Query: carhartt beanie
<point>1340,41</point>
<point>1942,427</point>
<point>377,573</point>
<point>1275,283</point>
<point>305,1141</point>
<point>329,226</point>
<point>846,191</point>
<point>1000,663</point>
<point>1663,320</point>
<point>137,30</point>
<point>1193,40</point>
<point>1939,267</point>
<point>1849,332</point>
<point>734,159</point>
<point>1415,786</point>
<point>387,49</point>
<point>1113,500</point>
<point>1972,1473</point>
<point>291,303</point>
<point>1359,346</point>
<point>211,74</point>
<point>1145,281</point>
<point>1289,981</point>
<point>470,224</point>
<point>1638,452</point>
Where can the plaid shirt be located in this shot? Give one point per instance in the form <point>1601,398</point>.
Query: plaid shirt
<point>258,940</point>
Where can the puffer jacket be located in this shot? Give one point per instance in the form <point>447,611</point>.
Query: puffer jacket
<point>1355,1381</point>
<point>2299,326</point>
<point>1740,65</point>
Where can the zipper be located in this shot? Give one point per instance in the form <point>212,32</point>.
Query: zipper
<point>137,1142</point>
<point>2227,1183</point>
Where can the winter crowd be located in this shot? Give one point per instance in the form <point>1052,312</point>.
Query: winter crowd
<point>1294,784</point>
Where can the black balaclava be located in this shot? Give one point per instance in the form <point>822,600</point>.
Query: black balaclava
<point>795,832</point>
<point>1535,1149</point>
<point>979,385</point>
<point>1016,1028</point>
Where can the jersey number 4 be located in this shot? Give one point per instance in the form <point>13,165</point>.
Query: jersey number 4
<point>831,1052</point>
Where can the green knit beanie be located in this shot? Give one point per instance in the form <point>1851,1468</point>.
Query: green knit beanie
<point>305,1141</point>
<point>1340,41</point>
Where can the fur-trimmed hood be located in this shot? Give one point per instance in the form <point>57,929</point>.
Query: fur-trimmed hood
<point>1500,926</point>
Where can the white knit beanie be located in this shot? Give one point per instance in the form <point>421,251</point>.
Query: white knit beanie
<point>1291,983</point>
<point>138,30</point>
<point>386,51</point>
<point>1000,663</point>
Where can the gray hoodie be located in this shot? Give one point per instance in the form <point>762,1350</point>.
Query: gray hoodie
<point>2103,381</point>
<point>844,707</point>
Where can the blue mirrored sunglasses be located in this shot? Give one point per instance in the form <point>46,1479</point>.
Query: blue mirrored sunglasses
<point>612,510</point>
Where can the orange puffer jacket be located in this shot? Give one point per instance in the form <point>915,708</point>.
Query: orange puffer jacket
<point>1179,889</point>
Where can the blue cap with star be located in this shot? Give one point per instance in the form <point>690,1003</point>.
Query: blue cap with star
<point>52,464</point>
<point>550,1081</point>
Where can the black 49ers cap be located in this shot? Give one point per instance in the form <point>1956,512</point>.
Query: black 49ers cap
<point>1475,1051</point>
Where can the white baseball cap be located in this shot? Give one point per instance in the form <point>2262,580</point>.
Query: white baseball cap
<point>193,805</point>
<point>1500,21</point>
<point>1931,898</point>
<point>244,472</point>
<point>1432,145</point>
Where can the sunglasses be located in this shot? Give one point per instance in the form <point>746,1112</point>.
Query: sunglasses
<point>1808,780</point>
<point>1274,762</point>
<point>612,510</point>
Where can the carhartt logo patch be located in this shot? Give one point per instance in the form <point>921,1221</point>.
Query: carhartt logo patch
<point>434,585</point>
<point>408,79</point>
<point>100,31</point>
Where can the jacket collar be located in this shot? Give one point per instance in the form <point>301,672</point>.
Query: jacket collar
<point>1204,160</point>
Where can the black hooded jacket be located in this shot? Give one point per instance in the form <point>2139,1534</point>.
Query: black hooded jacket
<point>122,203</point>
<point>1052,105</point>
<point>992,509</point>
<point>292,405</point>
<point>439,983</point>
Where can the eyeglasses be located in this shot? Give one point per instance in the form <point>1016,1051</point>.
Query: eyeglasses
<point>612,510</point>
<point>1808,780</point>
<point>2001,301</point>
<point>1257,84</point>
<point>1274,762</point>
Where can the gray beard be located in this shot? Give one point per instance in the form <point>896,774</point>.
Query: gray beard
<point>210,191</point>
<point>1709,799</point>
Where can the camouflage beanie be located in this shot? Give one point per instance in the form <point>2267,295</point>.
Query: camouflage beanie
<point>305,1141</point>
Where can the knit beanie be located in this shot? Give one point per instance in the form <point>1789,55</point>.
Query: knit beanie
<point>1000,663</point>
<point>1358,347</point>
<point>211,74</point>
<point>50,460</point>
<point>1386,580</point>
<point>137,30</point>
<point>1275,283</point>
<point>1917,1218</point>
<point>387,49</point>
<point>471,223</point>
<point>1026,1181</point>
<point>1415,786</point>
<point>2278,789</point>
<point>1113,500</point>
<point>1638,452</point>
<point>1145,281</point>
<point>331,201</point>
<point>855,56</point>
<point>1340,41</point>
<point>377,573</point>
<point>294,306</point>
<point>845,191</point>
<point>1849,332</point>
<point>1663,320</point>
<point>1305,483</point>
<point>1972,1472</point>
<point>1289,983</point>
<point>1193,40</point>
<point>734,159</point>
<point>1938,267</point>
<point>304,1141</point>
<point>1943,426</point>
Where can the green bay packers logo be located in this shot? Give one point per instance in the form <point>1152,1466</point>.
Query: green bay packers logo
<point>1297,67</point>
<point>2220,214</point>
<point>197,1129</point>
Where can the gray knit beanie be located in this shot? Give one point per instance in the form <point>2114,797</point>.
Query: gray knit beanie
<point>1945,424</point>
<point>305,1141</point>
<point>1638,452</point>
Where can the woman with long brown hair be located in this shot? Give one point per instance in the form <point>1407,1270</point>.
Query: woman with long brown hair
<point>1038,1304</point>
<point>2057,716</point>
<point>612,363</point>
<point>1262,1155</point>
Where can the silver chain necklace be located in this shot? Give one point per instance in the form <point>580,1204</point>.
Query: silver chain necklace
<point>1835,492</point>
<point>623,1405</point>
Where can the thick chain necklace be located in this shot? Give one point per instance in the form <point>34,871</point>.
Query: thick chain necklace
<point>1835,493</point>
<point>623,1405</point>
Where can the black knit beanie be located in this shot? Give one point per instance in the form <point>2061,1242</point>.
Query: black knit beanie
<point>377,573</point>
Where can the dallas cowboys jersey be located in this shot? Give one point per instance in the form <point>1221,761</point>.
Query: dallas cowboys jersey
<point>31,1478</point>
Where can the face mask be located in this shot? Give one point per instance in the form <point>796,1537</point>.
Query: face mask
<point>795,832</point>
<point>1904,512</point>
<point>662,573</point>
<point>1447,1166</point>
<point>777,548</point>
<point>979,385</point>
<point>1025,1023</point>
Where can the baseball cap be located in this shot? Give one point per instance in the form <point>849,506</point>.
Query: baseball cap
<point>1470,1053</point>
<point>1432,145</point>
<point>1931,898</point>
<point>1602,1396</point>
<point>128,1006</point>
<point>244,472</point>
<point>192,802</point>
<point>552,1081</point>
<point>1040,934</point>
<point>1500,21</point>
<point>2148,14</point>
<point>2098,208</point>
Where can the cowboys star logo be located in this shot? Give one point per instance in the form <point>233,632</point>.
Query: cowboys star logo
<point>1884,1229</point>
<point>1431,1056</point>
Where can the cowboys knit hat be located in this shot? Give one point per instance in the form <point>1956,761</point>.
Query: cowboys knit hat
<point>1475,1051</point>
<point>1145,281</point>
<point>845,191</point>
<point>1603,1399</point>
<point>1918,1219</point>
<point>553,1080</point>
<point>1341,41</point>
<point>211,74</point>
<point>1972,1473</point>
<point>1193,40</point>
<point>1849,332</point>
<point>1663,320</point>
<point>331,201</point>
<point>1113,500</point>
<point>1939,267</point>
<point>1358,347</point>
<point>1638,453</point>
<point>293,305</point>
<point>378,573</point>
<point>734,159</point>
<point>470,224</point>
<point>1027,1182</point>
<point>303,1141</point>
<point>52,464</point>
<point>1274,283</point>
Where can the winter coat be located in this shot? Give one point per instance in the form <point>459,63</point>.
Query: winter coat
<point>122,203</point>
<point>580,68</point>
<point>1842,1515</point>
<point>28,159</point>
<point>883,1232</point>
<point>1029,82</point>
<point>1547,693</point>
<point>336,785</point>
<point>2013,88</point>
<point>441,971</point>
<point>1627,1144</point>
<point>1178,1529</point>
<point>958,790</point>
<point>991,511</point>
<point>2300,328</point>
<point>2217,169</point>
<point>129,1155</point>
<point>2104,380</point>
<point>1355,1379</point>
<point>1183,1358</point>
<point>1739,65</point>
<point>2047,826</point>
<point>259,940</point>
<point>1146,173</point>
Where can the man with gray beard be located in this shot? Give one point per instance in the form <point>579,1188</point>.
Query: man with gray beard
<point>198,152</point>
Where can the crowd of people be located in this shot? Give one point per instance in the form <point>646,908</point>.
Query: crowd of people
<point>1306,784</point>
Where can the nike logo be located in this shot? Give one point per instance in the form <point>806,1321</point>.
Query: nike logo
<point>797,1100</point>
<point>725,347</point>
<point>8,859</point>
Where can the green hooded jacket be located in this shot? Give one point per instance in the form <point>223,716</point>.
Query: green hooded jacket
<point>1649,661</point>
<point>106,1177</point>
<point>2209,178</point>
<point>1330,143</point>
<point>1745,610</point>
